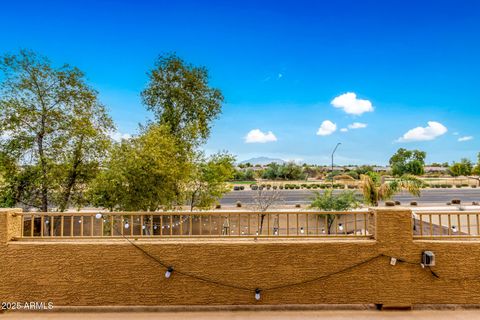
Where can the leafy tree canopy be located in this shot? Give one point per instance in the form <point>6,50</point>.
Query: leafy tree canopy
<point>180,97</point>
<point>408,162</point>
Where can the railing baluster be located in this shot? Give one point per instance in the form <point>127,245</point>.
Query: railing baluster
<point>478,226</point>
<point>355,224</point>
<point>459,225</point>
<point>62,221</point>
<point>41,226</point>
<point>51,225</point>
<point>32,221</point>
<point>468,225</point>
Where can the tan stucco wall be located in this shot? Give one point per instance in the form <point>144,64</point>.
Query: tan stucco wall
<point>113,272</point>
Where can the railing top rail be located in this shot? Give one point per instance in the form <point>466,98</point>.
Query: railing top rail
<point>196,213</point>
<point>445,212</point>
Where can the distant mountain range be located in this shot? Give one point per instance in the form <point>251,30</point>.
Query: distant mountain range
<point>263,161</point>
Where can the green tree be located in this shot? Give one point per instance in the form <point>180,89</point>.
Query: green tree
<point>287,171</point>
<point>180,97</point>
<point>207,183</point>
<point>375,190</point>
<point>476,170</point>
<point>143,173</point>
<point>408,162</point>
<point>328,201</point>
<point>53,131</point>
<point>462,168</point>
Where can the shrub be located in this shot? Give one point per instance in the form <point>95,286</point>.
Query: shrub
<point>390,203</point>
<point>297,187</point>
<point>474,203</point>
<point>239,204</point>
<point>236,188</point>
<point>274,187</point>
<point>458,185</point>
<point>397,203</point>
<point>280,187</point>
<point>413,203</point>
<point>254,187</point>
<point>297,205</point>
<point>473,185</point>
<point>218,206</point>
<point>328,201</point>
<point>456,201</point>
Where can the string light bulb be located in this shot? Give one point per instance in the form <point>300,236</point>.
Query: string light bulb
<point>340,227</point>
<point>98,216</point>
<point>257,294</point>
<point>454,228</point>
<point>127,225</point>
<point>302,231</point>
<point>169,272</point>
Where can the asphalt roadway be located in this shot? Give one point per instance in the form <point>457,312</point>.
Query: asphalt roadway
<point>427,197</point>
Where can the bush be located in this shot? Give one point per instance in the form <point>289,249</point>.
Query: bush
<point>236,188</point>
<point>254,187</point>
<point>328,201</point>
<point>390,203</point>
<point>473,185</point>
<point>397,203</point>
<point>297,205</point>
<point>218,206</point>
<point>280,187</point>
<point>239,204</point>
<point>456,201</point>
<point>274,187</point>
<point>297,187</point>
<point>413,203</point>
<point>458,185</point>
<point>242,187</point>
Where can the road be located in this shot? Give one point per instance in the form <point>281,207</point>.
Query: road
<point>428,196</point>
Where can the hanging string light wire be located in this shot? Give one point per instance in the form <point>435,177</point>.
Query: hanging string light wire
<point>257,290</point>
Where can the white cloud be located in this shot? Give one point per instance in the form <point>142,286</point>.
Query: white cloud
<point>118,136</point>
<point>351,105</point>
<point>430,132</point>
<point>466,138</point>
<point>344,130</point>
<point>257,136</point>
<point>357,125</point>
<point>326,128</point>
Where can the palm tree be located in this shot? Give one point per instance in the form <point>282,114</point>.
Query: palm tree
<point>375,189</point>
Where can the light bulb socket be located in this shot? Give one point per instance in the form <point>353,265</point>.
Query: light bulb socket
<point>257,294</point>
<point>169,272</point>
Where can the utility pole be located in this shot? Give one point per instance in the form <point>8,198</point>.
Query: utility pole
<point>332,159</point>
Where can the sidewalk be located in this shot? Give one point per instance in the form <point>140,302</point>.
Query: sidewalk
<point>253,315</point>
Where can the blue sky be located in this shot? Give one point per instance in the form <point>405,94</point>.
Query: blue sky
<point>280,64</point>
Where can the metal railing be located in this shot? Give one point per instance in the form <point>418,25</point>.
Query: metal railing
<point>195,224</point>
<point>446,224</point>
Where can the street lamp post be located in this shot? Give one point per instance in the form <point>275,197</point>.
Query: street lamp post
<point>332,159</point>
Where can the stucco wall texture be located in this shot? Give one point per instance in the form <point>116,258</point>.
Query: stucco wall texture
<point>115,273</point>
